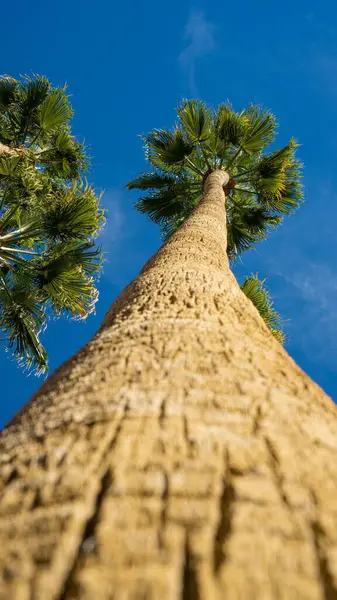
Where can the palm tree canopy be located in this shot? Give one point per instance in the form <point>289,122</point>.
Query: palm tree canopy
<point>49,216</point>
<point>263,187</point>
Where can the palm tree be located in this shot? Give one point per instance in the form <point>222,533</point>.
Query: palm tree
<point>255,201</point>
<point>181,453</point>
<point>48,217</point>
<point>261,190</point>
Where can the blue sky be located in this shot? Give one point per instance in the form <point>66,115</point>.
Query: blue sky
<point>127,65</point>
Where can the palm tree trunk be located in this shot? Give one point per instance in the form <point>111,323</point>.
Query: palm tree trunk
<point>7,150</point>
<point>181,454</point>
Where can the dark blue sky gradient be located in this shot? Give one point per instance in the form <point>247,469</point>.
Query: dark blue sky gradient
<point>127,65</point>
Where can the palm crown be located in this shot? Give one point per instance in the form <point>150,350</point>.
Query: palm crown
<point>262,189</point>
<point>49,217</point>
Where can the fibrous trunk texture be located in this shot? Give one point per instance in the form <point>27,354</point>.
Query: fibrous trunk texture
<point>7,150</point>
<point>181,454</point>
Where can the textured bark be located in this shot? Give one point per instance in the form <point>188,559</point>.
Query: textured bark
<point>7,150</point>
<point>181,454</point>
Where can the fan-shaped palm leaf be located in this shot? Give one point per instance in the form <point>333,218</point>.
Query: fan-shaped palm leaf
<point>33,91</point>
<point>160,205</point>
<point>232,126</point>
<point>196,120</point>
<point>260,130</point>
<point>74,214</point>
<point>54,111</point>
<point>21,320</point>
<point>168,148</point>
<point>8,88</point>
<point>151,181</point>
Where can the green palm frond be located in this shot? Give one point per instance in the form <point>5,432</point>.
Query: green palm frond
<point>164,147</point>
<point>65,278</point>
<point>8,165</point>
<point>64,257</point>
<point>292,193</point>
<point>64,142</point>
<point>14,243</point>
<point>87,257</point>
<point>21,320</point>
<point>248,223</point>
<point>63,157</point>
<point>8,88</point>
<point>71,292</point>
<point>260,131</point>
<point>196,120</point>
<point>216,150</point>
<point>151,181</point>
<point>160,205</point>
<point>278,181</point>
<point>7,219</point>
<point>259,295</point>
<point>54,111</point>
<point>276,162</point>
<point>232,126</point>
<point>33,91</point>
<point>74,213</point>
<point>21,235</point>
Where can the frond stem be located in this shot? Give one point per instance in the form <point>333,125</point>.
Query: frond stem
<point>244,190</point>
<point>204,155</point>
<point>18,251</point>
<point>193,167</point>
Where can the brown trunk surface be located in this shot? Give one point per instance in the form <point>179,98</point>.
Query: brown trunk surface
<point>7,150</point>
<point>181,454</point>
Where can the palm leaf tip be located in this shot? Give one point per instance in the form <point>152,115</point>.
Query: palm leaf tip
<point>54,111</point>
<point>164,147</point>
<point>259,295</point>
<point>65,279</point>
<point>232,126</point>
<point>21,319</point>
<point>74,214</point>
<point>151,181</point>
<point>159,205</point>
<point>34,91</point>
<point>260,130</point>
<point>196,120</point>
<point>8,87</point>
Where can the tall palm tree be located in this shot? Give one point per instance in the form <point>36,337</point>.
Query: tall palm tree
<point>49,218</point>
<point>181,454</point>
<point>256,200</point>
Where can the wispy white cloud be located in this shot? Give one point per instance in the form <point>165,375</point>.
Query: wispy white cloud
<point>199,36</point>
<point>312,287</point>
<point>317,285</point>
<point>125,238</point>
<point>113,230</point>
<point>112,236</point>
